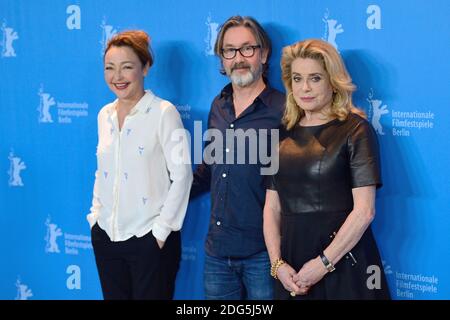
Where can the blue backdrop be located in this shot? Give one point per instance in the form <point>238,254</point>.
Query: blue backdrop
<point>52,88</point>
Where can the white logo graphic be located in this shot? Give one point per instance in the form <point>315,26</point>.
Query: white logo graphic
<point>108,32</point>
<point>409,285</point>
<point>189,252</point>
<point>74,20</point>
<point>72,242</point>
<point>376,111</point>
<point>213,28</point>
<point>15,166</point>
<point>73,281</point>
<point>332,29</point>
<point>66,110</point>
<point>45,102</point>
<point>185,111</point>
<point>373,22</point>
<point>9,35</point>
<point>53,232</point>
<point>387,268</point>
<point>23,292</point>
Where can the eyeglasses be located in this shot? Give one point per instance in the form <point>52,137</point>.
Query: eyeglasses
<point>245,51</point>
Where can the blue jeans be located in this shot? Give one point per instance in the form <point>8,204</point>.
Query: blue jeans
<point>238,279</point>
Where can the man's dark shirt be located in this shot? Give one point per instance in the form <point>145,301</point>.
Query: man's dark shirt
<point>237,190</point>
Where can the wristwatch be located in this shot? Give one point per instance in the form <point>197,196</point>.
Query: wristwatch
<point>330,267</point>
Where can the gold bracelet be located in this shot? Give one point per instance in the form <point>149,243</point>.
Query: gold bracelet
<point>274,267</point>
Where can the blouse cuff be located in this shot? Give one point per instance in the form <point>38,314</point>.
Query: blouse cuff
<point>160,233</point>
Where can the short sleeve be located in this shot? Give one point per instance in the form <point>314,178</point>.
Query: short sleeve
<point>364,156</point>
<point>269,182</point>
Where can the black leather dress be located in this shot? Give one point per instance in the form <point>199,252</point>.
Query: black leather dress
<point>319,167</point>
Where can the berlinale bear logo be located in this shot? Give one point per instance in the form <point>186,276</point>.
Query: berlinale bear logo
<point>9,35</point>
<point>332,29</point>
<point>16,165</point>
<point>53,232</point>
<point>211,37</point>
<point>377,110</point>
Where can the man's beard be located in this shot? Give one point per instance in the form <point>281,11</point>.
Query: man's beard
<point>246,79</point>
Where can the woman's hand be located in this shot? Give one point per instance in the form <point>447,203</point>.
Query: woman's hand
<point>311,272</point>
<point>285,274</point>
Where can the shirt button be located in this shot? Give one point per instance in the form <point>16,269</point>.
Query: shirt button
<point>227,150</point>
<point>224,175</point>
<point>231,125</point>
<point>218,223</point>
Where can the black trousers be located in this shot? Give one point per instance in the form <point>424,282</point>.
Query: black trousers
<point>136,268</point>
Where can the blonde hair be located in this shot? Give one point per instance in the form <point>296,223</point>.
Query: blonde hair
<point>340,80</point>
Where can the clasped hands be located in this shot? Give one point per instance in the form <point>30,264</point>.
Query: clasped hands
<point>299,283</point>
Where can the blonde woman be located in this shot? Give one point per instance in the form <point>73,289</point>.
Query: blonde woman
<point>320,204</point>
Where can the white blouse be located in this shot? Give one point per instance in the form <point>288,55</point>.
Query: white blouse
<point>143,176</point>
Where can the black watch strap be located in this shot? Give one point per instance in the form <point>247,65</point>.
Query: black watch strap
<point>330,267</point>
